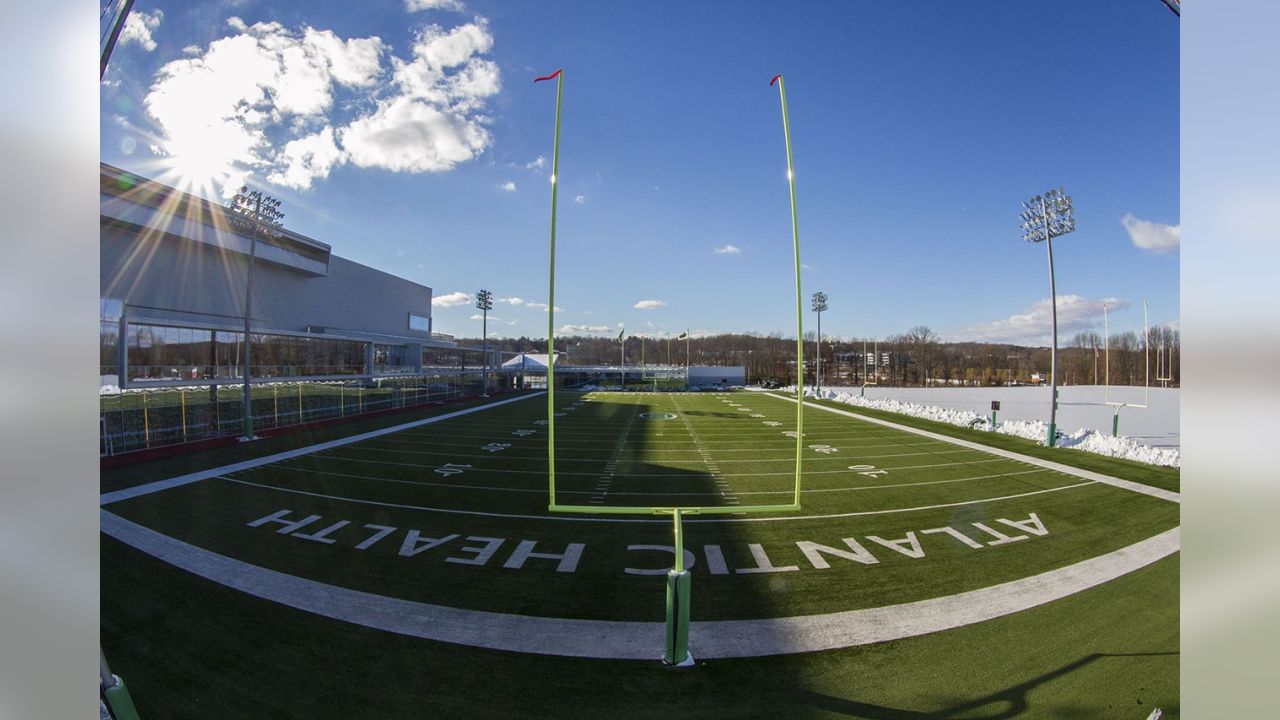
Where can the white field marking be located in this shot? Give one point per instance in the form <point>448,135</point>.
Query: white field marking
<point>611,467</point>
<point>567,518</point>
<point>157,486</point>
<point>587,430</point>
<point>620,640</point>
<point>712,466</point>
<point>596,460</point>
<point>603,485</point>
<point>398,446</point>
<point>450,486</point>
<point>1066,469</point>
<point>648,451</point>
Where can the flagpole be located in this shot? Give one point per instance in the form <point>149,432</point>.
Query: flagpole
<point>795,240</point>
<point>551,295</point>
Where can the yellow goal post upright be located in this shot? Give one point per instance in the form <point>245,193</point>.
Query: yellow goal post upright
<point>676,651</point>
<point>875,363</point>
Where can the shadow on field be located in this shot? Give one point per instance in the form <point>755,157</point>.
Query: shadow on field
<point>732,576</point>
<point>1008,703</point>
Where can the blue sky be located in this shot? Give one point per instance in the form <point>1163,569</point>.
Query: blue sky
<point>407,134</point>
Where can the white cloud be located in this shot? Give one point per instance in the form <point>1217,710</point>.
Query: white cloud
<point>1035,324</point>
<point>307,158</point>
<point>586,329</point>
<point>649,304</point>
<point>263,100</point>
<point>509,186</point>
<point>419,5</point>
<point>138,28</point>
<point>1153,236</point>
<point>580,199</point>
<point>435,122</point>
<point>541,306</point>
<point>353,63</point>
<point>728,250</point>
<point>537,163</point>
<point>492,318</point>
<point>413,136</point>
<point>452,299</point>
<point>511,300</point>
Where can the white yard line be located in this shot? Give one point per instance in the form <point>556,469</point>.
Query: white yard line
<point>589,518</point>
<point>717,492</point>
<point>611,466</point>
<point>722,486</point>
<point>153,487</point>
<point>1067,469</point>
<point>642,640</point>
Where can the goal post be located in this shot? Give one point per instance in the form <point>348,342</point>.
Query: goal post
<point>1146,387</point>
<point>678,579</point>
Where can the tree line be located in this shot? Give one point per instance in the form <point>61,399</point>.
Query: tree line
<point>917,357</point>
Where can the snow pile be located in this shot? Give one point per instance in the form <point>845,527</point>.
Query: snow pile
<point>1084,439</point>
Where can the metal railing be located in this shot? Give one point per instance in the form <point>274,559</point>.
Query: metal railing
<point>140,419</point>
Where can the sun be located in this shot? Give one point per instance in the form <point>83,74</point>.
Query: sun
<point>196,167</point>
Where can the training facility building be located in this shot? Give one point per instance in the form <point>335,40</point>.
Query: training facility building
<point>329,337</point>
<point>173,275</point>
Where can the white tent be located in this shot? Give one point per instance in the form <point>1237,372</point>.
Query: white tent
<point>532,362</point>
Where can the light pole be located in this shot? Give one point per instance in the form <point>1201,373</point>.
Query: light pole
<point>622,341</point>
<point>686,358</point>
<point>1045,217</point>
<point>484,303</point>
<point>252,210</point>
<point>819,304</point>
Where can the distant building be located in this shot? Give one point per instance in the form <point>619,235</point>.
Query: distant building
<point>717,376</point>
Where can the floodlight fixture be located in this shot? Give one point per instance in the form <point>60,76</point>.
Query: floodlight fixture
<point>253,212</point>
<point>1045,217</point>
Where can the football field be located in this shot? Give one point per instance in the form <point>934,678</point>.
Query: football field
<point>437,529</point>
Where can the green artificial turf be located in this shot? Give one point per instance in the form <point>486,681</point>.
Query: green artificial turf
<point>189,648</point>
<point>230,655</point>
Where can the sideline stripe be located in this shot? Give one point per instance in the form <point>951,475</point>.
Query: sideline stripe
<point>688,518</point>
<point>1154,492</point>
<point>157,486</point>
<point>641,640</point>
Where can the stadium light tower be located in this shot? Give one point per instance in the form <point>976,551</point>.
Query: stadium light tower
<point>257,213</point>
<point>484,303</point>
<point>1045,217</point>
<point>819,304</point>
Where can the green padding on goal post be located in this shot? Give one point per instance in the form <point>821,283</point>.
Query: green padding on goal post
<point>677,647</point>
<point>119,701</point>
